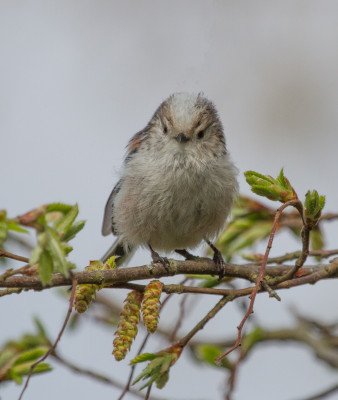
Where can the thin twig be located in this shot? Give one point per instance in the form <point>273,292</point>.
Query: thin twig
<point>300,260</point>
<point>5,292</point>
<point>324,393</point>
<point>328,217</point>
<point>148,392</point>
<point>271,292</point>
<point>11,272</point>
<point>94,375</point>
<point>233,376</point>
<point>296,254</point>
<point>224,300</point>
<point>51,350</point>
<point>179,319</point>
<point>259,279</point>
<point>6,254</point>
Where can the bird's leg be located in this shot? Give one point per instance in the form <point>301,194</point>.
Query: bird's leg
<point>218,260</point>
<point>158,259</point>
<point>186,254</point>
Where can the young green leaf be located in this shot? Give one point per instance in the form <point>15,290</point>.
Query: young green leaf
<point>3,231</point>
<point>13,226</point>
<point>73,230</point>
<point>162,380</point>
<point>35,255</point>
<point>254,178</point>
<point>313,206</point>
<point>143,357</point>
<point>209,352</point>
<point>30,355</point>
<point>56,251</point>
<point>16,373</point>
<point>274,189</point>
<point>63,224</point>
<point>158,369</point>
<point>40,328</point>
<point>45,267</point>
<point>283,182</point>
<point>251,339</point>
<point>61,207</point>
<point>151,372</point>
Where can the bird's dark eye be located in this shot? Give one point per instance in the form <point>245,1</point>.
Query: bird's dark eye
<point>165,129</point>
<point>200,134</point>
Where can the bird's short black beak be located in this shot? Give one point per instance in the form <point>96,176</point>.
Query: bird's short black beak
<point>181,138</point>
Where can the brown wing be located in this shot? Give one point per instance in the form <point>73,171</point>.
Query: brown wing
<point>133,146</point>
<point>108,222</point>
<point>135,143</point>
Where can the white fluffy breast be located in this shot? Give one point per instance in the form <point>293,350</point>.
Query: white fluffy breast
<point>173,201</point>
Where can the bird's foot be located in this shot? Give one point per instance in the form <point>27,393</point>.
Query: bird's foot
<point>158,259</point>
<point>218,260</point>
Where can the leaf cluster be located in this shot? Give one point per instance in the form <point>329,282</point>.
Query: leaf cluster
<point>57,227</point>
<point>274,189</point>
<point>158,368</point>
<point>252,220</point>
<point>17,357</point>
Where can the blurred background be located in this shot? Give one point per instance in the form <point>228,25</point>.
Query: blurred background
<point>79,78</point>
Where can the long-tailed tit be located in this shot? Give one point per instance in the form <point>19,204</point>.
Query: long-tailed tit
<point>177,184</point>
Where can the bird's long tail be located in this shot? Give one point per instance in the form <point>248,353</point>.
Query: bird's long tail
<point>119,250</point>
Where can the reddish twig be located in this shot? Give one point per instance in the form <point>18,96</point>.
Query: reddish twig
<point>52,349</point>
<point>260,278</point>
<point>233,376</point>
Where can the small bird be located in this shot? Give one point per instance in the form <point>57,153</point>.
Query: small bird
<point>177,184</point>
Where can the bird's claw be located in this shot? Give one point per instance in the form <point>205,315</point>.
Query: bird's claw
<point>158,259</point>
<point>162,260</point>
<point>219,261</point>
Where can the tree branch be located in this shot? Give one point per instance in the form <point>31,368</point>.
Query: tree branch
<point>204,266</point>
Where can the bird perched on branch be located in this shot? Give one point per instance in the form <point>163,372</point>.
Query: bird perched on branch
<point>177,184</point>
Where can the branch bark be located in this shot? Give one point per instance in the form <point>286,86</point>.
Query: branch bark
<point>203,266</point>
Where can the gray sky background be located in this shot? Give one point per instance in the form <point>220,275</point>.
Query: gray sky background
<point>78,78</point>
